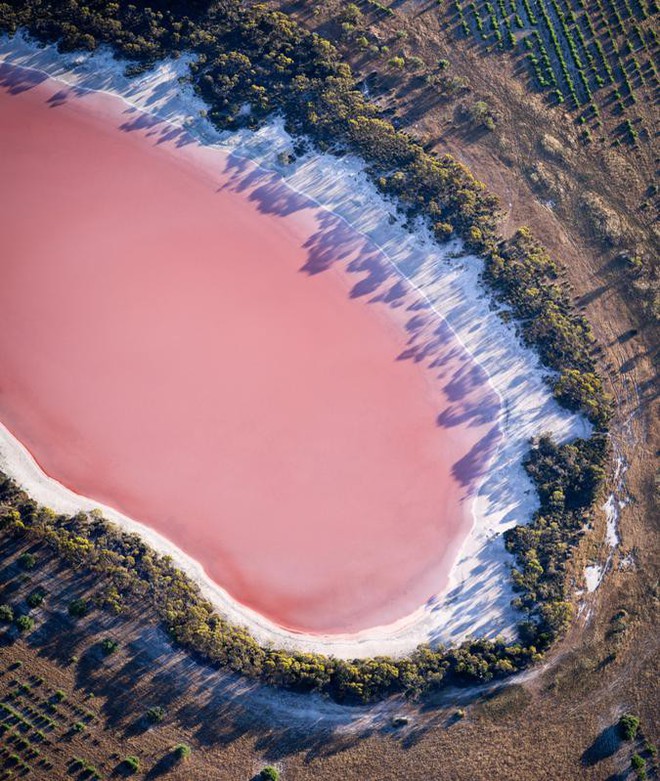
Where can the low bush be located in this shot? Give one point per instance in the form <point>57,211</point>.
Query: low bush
<point>269,773</point>
<point>638,764</point>
<point>131,764</point>
<point>78,608</point>
<point>27,561</point>
<point>36,598</point>
<point>628,726</point>
<point>155,714</point>
<point>109,646</point>
<point>24,623</point>
<point>182,751</point>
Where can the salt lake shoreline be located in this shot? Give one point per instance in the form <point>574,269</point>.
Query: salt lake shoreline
<point>476,600</point>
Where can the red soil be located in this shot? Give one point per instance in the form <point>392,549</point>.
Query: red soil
<point>169,346</point>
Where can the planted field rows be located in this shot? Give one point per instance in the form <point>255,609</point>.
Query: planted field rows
<point>592,56</point>
<point>33,721</point>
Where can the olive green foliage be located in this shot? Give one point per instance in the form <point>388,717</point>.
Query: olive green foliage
<point>567,478</point>
<point>155,714</point>
<point>6,614</point>
<point>36,597</point>
<point>597,56</point>
<point>131,764</point>
<point>24,623</point>
<point>481,115</point>
<point>628,726</point>
<point>250,55</point>
<point>182,751</point>
<point>78,608</point>
<point>269,774</point>
<point>109,646</point>
<point>638,764</point>
<point>525,279</point>
<point>27,561</point>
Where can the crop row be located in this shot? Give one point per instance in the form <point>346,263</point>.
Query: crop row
<point>574,49</point>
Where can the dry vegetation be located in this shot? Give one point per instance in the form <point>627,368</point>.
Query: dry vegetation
<point>595,199</point>
<point>560,723</point>
<point>589,203</point>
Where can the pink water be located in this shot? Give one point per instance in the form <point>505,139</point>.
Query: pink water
<point>185,339</point>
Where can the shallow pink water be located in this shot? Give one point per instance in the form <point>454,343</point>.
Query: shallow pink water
<point>186,340</point>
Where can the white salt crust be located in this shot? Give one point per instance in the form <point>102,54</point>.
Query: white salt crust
<point>476,601</point>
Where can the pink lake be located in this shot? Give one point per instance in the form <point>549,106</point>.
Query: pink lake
<point>187,340</point>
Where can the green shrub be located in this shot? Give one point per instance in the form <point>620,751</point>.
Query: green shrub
<point>638,764</point>
<point>36,598</point>
<point>27,561</point>
<point>6,614</point>
<point>155,714</point>
<point>79,727</point>
<point>78,608</point>
<point>628,726</point>
<point>182,751</point>
<point>24,623</point>
<point>481,114</point>
<point>131,764</point>
<point>269,773</point>
<point>109,646</point>
<point>60,695</point>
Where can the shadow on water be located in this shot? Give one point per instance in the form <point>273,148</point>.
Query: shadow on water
<point>334,244</point>
<point>17,80</point>
<point>428,340</point>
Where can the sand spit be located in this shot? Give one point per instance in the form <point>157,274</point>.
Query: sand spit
<point>476,601</point>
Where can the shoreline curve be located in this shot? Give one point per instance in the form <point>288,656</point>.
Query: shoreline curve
<point>400,637</point>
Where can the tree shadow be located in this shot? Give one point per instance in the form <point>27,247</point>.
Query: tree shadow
<point>17,80</point>
<point>605,745</point>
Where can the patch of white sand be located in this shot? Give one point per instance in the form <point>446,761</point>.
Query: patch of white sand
<point>593,574</point>
<point>477,599</point>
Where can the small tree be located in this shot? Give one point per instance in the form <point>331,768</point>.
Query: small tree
<point>639,766</point>
<point>78,608</point>
<point>109,646</point>
<point>628,726</point>
<point>182,751</point>
<point>269,773</point>
<point>24,623</point>
<point>27,560</point>
<point>131,764</point>
<point>36,598</point>
<point>155,714</point>
<point>6,614</point>
<point>481,114</point>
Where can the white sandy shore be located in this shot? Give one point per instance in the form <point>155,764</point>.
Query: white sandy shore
<point>477,600</point>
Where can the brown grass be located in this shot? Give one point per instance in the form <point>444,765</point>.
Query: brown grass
<point>558,724</point>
